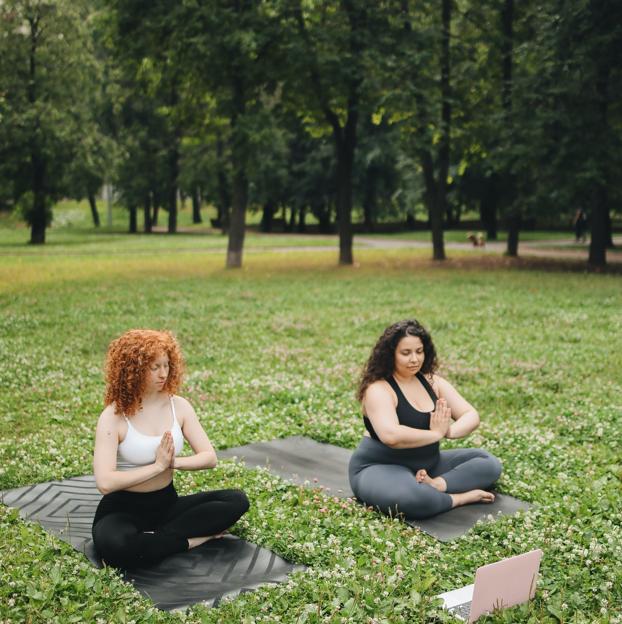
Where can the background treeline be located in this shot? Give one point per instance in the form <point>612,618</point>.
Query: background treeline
<point>343,109</point>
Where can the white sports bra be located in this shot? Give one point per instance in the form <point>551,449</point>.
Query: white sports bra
<point>139,449</point>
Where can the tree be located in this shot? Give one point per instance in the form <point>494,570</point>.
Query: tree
<point>507,23</point>
<point>436,186</point>
<point>46,73</point>
<point>148,44</point>
<point>377,179</point>
<point>566,139</point>
<point>224,51</point>
<point>338,52</point>
<point>423,107</point>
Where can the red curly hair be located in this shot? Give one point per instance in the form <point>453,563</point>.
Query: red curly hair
<point>127,361</point>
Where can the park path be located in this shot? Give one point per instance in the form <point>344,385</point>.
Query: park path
<point>553,249</point>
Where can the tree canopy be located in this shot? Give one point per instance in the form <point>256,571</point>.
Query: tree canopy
<point>342,109</point>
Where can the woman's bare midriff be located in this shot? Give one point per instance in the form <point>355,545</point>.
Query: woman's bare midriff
<point>155,483</point>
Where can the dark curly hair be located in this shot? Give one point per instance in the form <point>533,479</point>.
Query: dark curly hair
<point>381,362</point>
<point>126,366</point>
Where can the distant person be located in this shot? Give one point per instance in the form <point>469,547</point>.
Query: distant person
<point>407,410</point>
<point>580,225</point>
<point>138,442</point>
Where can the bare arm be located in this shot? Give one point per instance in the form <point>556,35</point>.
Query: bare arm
<point>379,406</point>
<point>204,453</point>
<point>107,477</point>
<point>466,418</point>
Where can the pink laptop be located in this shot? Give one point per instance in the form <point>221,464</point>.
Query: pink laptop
<point>498,585</point>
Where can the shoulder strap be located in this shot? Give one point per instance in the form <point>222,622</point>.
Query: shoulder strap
<point>129,428</point>
<point>173,408</point>
<point>396,388</point>
<point>426,384</point>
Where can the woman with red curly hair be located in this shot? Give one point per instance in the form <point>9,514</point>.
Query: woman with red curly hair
<point>138,442</point>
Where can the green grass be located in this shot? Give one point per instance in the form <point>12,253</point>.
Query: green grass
<point>72,232</point>
<point>274,350</point>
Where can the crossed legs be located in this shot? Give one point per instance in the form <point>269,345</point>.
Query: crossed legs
<point>127,540</point>
<point>462,473</point>
<point>456,479</point>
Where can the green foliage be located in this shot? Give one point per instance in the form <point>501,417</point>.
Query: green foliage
<point>47,75</point>
<point>159,95</point>
<point>564,142</point>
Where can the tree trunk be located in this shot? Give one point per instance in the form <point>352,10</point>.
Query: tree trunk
<point>488,207</point>
<point>38,220</point>
<point>133,220</point>
<point>286,221</point>
<point>196,205</point>
<point>435,211</point>
<point>322,213</point>
<point>369,199</point>
<point>507,180</point>
<point>224,217</point>
<point>173,166</point>
<point>147,213</point>
<point>172,190</point>
<point>292,219</point>
<point>224,200</point>
<point>238,221</point>
<point>266,217</point>
<point>156,211</point>
<point>609,226</point>
<point>598,238</point>
<point>436,224</point>
<point>345,160</point>
<point>436,190</point>
<point>514,223</point>
<point>94,212</point>
<point>240,183</point>
<point>302,227</point>
<point>601,226</point>
<point>444,146</point>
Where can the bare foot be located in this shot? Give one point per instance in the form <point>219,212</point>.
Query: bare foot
<point>193,542</point>
<point>472,496</point>
<point>437,483</point>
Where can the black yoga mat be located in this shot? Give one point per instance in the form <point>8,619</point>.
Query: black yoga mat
<point>206,574</point>
<point>307,462</point>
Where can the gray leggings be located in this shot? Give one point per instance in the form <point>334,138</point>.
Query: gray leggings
<point>383,477</point>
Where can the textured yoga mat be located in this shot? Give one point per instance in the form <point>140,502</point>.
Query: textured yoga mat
<point>307,462</point>
<point>207,574</point>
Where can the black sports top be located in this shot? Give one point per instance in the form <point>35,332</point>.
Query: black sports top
<point>410,417</point>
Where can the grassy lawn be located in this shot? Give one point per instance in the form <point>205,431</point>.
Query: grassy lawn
<point>72,232</point>
<point>274,350</point>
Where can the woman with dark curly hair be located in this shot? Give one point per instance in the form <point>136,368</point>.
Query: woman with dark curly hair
<point>407,410</point>
<point>138,442</point>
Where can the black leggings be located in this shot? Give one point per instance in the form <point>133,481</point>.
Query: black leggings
<point>134,529</point>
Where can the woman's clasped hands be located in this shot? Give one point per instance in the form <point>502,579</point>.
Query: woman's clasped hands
<point>165,453</point>
<point>440,418</point>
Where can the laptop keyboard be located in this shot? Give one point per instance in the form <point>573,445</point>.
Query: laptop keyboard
<point>462,610</point>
